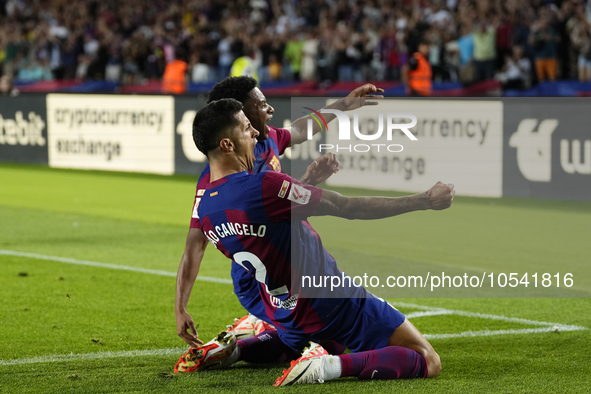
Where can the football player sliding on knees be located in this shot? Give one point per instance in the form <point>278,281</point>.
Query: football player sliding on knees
<point>271,144</point>
<point>256,228</point>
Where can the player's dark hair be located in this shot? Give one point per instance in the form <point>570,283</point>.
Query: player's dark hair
<point>213,122</point>
<point>236,88</point>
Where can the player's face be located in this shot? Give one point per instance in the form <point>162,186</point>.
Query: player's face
<point>259,112</point>
<point>245,139</point>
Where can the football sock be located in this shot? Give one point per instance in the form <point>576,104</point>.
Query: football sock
<point>391,362</point>
<point>265,347</point>
<point>332,367</point>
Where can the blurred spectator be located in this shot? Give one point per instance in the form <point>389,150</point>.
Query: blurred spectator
<point>503,40</point>
<point>69,58</point>
<point>274,68</point>
<point>293,54</point>
<point>568,61</point>
<point>451,57</point>
<point>132,41</point>
<point>174,80</point>
<point>113,67</point>
<point>544,41</point>
<point>433,37</point>
<point>484,52</point>
<point>516,70</point>
<point>265,49</point>
<point>579,33</point>
<point>309,52</point>
<point>226,59</point>
<point>35,71</point>
<point>437,15</point>
<point>245,65</point>
<point>466,48</point>
<point>420,77</point>
<point>199,71</point>
<point>7,86</point>
<point>389,54</point>
<point>84,62</point>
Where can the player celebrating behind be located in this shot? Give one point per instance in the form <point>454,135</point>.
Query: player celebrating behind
<point>256,227</point>
<point>272,142</point>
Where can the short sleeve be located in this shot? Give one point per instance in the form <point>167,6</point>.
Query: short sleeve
<point>195,220</point>
<point>282,138</point>
<point>201,186</point>
<point>285,198</point>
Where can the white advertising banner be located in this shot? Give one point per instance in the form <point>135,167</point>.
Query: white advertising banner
<point>459,142</point>
<point>114,133</point>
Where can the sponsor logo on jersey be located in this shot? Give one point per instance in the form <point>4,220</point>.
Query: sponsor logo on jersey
<point>275,164</point>
<point>299,194</point>
<point>288,304</point>
<point>284,188</point>
<point>213,194</point>
<point>195,214</point>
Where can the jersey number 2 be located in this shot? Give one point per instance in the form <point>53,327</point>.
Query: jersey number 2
<point>260,271</point>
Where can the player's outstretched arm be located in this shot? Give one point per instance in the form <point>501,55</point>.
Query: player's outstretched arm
<point>356,99</point>
<point>187,273</point>
<point>332,203</point>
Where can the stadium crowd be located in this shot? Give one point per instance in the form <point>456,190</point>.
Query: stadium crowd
<point>517,41</point>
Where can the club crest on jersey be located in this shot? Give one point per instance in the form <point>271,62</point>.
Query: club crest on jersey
<point>275,164</point>
<point>299,194</point>
<point>195,214</point>
<point>284,188</point>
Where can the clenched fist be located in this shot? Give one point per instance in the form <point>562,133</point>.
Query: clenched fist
<point>440,196</point>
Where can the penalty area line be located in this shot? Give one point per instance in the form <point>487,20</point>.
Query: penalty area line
<point>434,311</point>
<point>107,265</point>
<point>485,333</point>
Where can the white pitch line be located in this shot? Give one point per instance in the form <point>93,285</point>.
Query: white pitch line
<point>486,316</point>
<point>94,356</point>
<point>504,332</point>
<point>428,313</point>
<point>412,315</point>
<point>167,351</point>
<point>107,265</point>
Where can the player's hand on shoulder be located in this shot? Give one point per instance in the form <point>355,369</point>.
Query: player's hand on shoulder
<point>440,196</point>
<point>186,329</point>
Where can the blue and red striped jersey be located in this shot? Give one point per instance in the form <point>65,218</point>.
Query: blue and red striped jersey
<point>266,155</point>
<point>259,221</point>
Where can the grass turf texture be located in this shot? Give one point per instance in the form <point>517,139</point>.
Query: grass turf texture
<point>142,220</point>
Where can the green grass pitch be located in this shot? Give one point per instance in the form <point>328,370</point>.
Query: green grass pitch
<point>87,329</point>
